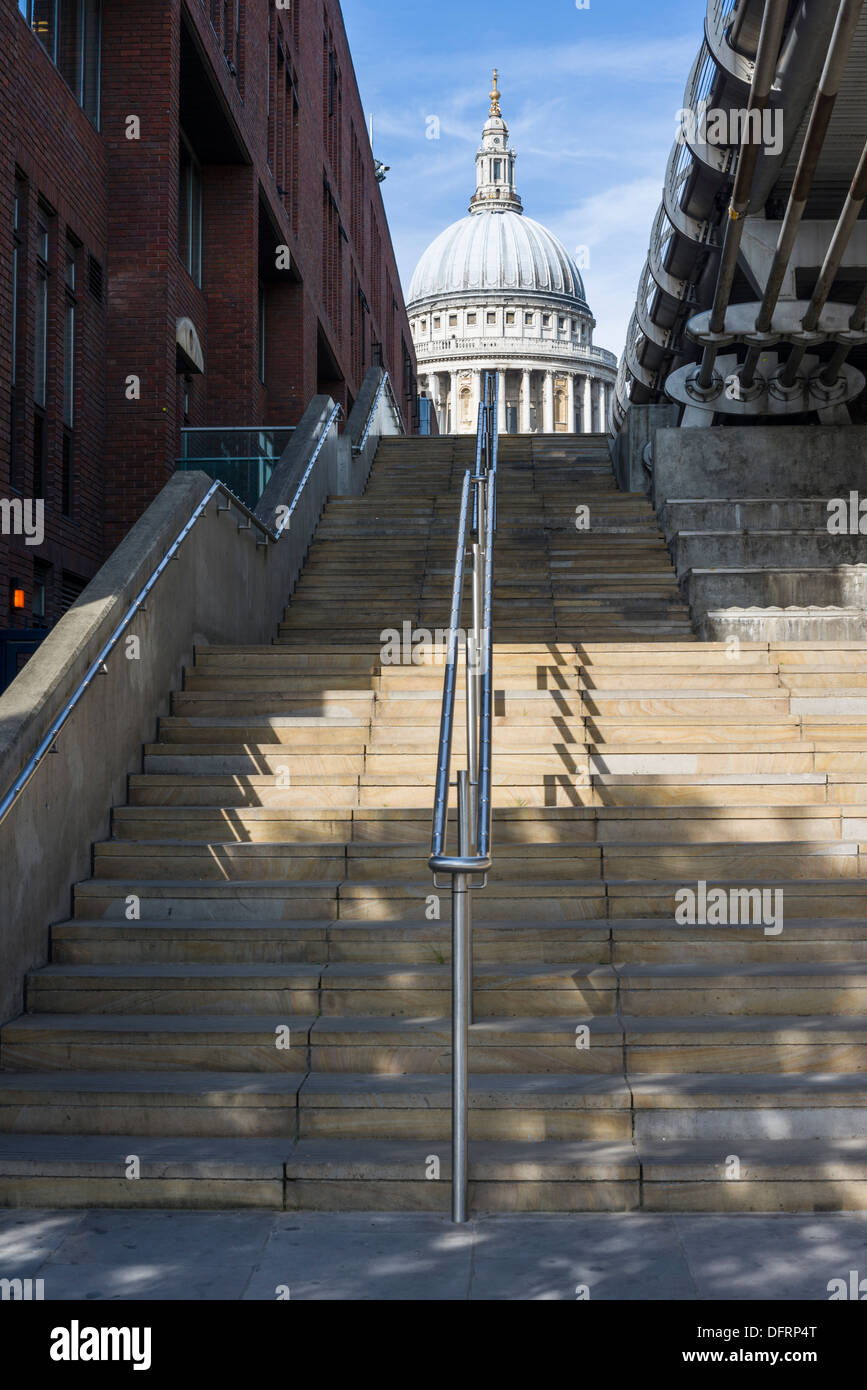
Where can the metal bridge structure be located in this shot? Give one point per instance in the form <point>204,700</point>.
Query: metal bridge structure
<point>751,306</point>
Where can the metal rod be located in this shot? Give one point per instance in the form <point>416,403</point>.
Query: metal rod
<point>441,802</point>
<point>337,411</point>
<point>460,936</point>
<point>471,696</point>
<point>476,673</point>
<point>477,517</point>
<point>384,385</point>
<point>852,207</point>
<point>465,800</point>
<point>814,141</point>
<point>770,38</point>
<point>483,846</point>
<point>98,665</point>
<point>856,324</point>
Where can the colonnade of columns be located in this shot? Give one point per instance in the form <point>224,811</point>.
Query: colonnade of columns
<point>587,403</point>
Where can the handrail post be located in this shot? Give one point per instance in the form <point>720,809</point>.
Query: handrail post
<point>466,798</point>
<point>475,540</point>
<point>460,1019</point>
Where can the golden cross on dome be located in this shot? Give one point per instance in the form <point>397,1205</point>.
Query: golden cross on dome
<point>495,97</point>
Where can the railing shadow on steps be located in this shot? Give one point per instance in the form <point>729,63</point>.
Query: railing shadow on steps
<point>476,527</point>
<point>72,724</point>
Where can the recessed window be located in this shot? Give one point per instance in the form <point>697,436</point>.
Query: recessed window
<point>546,320</point>
<point>40,350</point>
<point>436,323</point>
<point>41,581</point>
<point>492,318</point>
<point>190,210</point>
<point>424,325</point>
<point>529,318</point>
<point>562,323</point>
<point>20,205</point>
<point>510,318</point>
<point>68,463</point>
<point>498,170</point>
<point>70,32</point>
<point>453,320</point>
<point>471,318</point>
<point>263,319</point>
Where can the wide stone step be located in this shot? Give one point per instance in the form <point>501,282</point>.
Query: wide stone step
<point>272,942</point>
<point>395,1175</point>
<point>639,859</point>
<point>57,1042</point>
<point>343,1105</point>
<point>53,1170</point>
<point>162,1104</point>
<point>606,824</point>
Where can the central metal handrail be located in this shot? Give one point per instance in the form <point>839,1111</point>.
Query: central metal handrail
<point>476,527</point>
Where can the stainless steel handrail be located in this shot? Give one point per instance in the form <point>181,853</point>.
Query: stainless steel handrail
<point>384,385</point>
<point>476,527</point>
<point>250,522</point>
<point>335,414</point>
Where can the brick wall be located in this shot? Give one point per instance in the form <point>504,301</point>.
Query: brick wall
<point>290,204</point>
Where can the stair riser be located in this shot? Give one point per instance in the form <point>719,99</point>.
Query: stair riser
<point>768,952</point>
<point>435,1125</point>
<point>225,1122</point>
<point>160,1194</point>
<point>117,953</point>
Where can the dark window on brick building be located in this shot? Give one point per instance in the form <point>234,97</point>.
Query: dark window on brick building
<point>263,319</point>
<point>282,109</point>
<point>69,311</point>
<point>190,210</point>
<point>41,593</point>
<point>226,22</point>
<point>333,108</point>
<point>40,349</point>
<point>16,413</point>
<point>71,587</point>
<point>95,276</point>
<point>70,32</point>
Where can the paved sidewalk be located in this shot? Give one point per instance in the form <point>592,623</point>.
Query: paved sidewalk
<point>249,1255</point>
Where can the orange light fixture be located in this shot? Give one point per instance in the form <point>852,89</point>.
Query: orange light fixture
<point>18,598</point>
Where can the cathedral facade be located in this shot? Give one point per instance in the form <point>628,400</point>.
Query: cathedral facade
<point>497,292</point>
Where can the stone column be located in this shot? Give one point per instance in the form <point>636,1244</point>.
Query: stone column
<point>501,408</point>
<point>570,387</point>
<point>476,399</point>
<point>548,404</point>
<point>588,405</point>
<point>525,401</point>
<point>453,388</point>
<point>442,401</point>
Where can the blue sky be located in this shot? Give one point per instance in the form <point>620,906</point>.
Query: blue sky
<point>590,97</point>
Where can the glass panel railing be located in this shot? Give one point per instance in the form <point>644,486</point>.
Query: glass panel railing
<point>242,458</point>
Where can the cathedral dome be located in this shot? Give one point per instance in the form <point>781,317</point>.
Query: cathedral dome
<point>498,252</point>
<point>497,292</point>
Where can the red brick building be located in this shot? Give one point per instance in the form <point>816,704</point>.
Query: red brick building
<point>194,236</point>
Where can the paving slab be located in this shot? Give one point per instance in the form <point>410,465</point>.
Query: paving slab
<point>227,1256</point>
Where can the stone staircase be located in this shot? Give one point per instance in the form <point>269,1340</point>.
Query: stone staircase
<point>250,1003</point>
